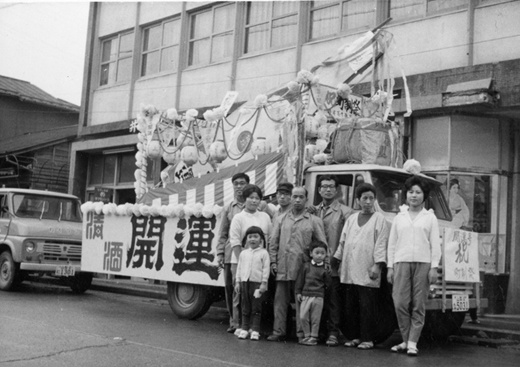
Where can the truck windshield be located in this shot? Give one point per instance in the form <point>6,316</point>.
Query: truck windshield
<point>390,195</point>
<point>46,207</point>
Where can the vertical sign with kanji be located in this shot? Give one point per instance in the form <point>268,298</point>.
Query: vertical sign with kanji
<point>461,262</point>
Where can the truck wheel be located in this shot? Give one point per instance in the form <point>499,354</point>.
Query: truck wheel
<point>9,277</point>
<point>440,325</point>
<point>189,301</point>
<point>81,282</point>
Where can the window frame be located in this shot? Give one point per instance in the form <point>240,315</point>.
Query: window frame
<point>314,6</point>
<point>161,48</point>
<point>191,40</point>
<point>270,20</point>
<point>425,11</point>
<point>116,61</point>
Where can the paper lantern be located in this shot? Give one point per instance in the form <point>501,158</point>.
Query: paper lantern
<point>154,149</point>
<point>217,151</point>
<point>311,127</point>
<point>189,155</point>
<point>171,157</point>
<point>310,151</point>
<point>321,144</point>
<point>259,147</point>
<point>321,118</point>
<point>323,132</point>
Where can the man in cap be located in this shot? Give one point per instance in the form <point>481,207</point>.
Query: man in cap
<point>239,180</point>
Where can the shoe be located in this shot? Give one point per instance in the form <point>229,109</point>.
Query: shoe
<point>275,338</point>
<point>237,331</point>
<point>399,348</point>
<point>332,341</point>
<point>412,352</point>
<point>255,335</point>
<point>243,334</point>
<point>302,339</point>
<point>476,321</point>
<point>353,343</point>
<point>310,341</point>
<point>366,345</point>
<point>231,329</point>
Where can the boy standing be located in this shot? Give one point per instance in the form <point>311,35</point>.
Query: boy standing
<point>310,290</point>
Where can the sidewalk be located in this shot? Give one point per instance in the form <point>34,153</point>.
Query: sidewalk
<point>495,331</point>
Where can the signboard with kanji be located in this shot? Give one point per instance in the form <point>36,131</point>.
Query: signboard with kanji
<point>171,249</point>
<point>461,256</point>
<point>102,194</point>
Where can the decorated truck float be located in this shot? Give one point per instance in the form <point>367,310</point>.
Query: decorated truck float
<point>295,133</point>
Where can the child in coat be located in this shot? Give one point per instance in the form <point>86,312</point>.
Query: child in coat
<point>251,280</point>
<point>310,286</point>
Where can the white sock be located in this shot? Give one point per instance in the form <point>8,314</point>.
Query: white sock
<point>412,345</point>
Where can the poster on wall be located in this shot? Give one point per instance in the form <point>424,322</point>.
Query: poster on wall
<point>488,244</point>
<point>461,256</point>
<point>469,198</point>
<point>153,247</point>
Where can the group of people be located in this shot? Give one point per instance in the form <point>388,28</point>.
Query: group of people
<point>329,259</point>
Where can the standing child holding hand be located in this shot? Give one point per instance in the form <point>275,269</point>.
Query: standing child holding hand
<point>310,286</point>
<point>251,281</point>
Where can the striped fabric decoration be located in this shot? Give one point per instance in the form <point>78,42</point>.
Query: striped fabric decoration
<point>216,188</point>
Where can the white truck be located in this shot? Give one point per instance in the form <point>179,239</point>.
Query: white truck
<point>40,234</point>
<point>160,238</point>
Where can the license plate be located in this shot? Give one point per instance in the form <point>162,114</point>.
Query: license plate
<point>460,303</point>
<point>65,271</point>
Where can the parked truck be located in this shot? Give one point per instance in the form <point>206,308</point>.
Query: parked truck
<point>171,235</point>
<point>40,235</point>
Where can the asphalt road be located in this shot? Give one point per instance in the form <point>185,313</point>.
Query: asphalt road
<point>43,325</point>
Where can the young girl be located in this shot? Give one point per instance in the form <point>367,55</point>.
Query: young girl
<point>414,252</point>
<point>251,281</point>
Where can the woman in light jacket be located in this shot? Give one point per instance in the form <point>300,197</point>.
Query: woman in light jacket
<point>414,252</point>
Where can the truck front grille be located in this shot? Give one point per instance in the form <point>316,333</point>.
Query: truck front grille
<point>53,251</point>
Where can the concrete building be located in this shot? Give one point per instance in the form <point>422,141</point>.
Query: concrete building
<point>37,131</point>
<point>461,58</point>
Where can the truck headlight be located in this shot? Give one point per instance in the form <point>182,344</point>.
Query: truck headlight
<point>30,247</point>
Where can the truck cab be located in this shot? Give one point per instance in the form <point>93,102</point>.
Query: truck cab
<point>441,319</point>
<point>40,234</point>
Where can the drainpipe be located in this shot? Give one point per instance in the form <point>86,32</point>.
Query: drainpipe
<point>471,29</point>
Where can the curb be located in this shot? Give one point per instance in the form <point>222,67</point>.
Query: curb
<point>144,290</point>
<point>483,341</point>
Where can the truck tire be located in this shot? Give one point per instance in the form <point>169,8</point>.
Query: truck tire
<point>81,282</point>
<point>440,325</point>
<point>189,301</point>
<point>9,276</point>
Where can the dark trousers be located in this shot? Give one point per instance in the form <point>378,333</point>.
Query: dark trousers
<point>251,306</point>
<point>229,283</point>
<point>360,307</point>
<point>333,306</point>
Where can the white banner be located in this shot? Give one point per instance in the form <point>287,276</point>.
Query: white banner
<point>461,262</point>
<point>169,249</point>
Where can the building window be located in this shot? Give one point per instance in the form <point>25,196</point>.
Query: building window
<point>115,169</point>
<point>116,59</point>
<point>211,35</point>
<point>271,25</point>
<point>403,9</point>
<point>334,17</point>
<point>161,47</point>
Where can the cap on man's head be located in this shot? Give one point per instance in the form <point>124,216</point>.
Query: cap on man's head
<point>239,175</point>
<point>285,187</point>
